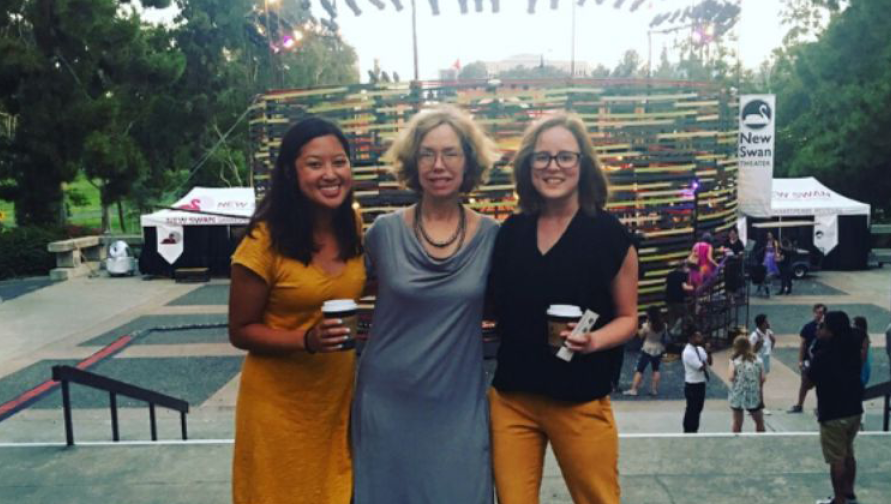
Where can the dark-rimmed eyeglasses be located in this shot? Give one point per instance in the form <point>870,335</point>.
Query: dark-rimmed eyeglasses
<point>564,159</point>
<point>452,159</point>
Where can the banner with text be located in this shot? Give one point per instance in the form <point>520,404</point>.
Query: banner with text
<point>757,115</point>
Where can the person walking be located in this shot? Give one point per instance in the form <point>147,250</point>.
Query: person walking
<point>303,247</point>
<point>563,248</point>
<point>861,332</point>
<point>763,341</point>
<point>420,418</point>
<point>785,257</point>
<point>696,374</point>
<point>655,334</point>
<point>771,249</point>
<point>835,371</point>
<point>807,345</point>
<point>746,384</point>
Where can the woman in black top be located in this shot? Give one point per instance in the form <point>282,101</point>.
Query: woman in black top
<point>564,248</point>
<point>733,272</point>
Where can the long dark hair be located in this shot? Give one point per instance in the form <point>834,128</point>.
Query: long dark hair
<point>286,210</point>
<point>654,316</point>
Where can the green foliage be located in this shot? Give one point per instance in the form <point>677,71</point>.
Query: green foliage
<point>23,250</point>
<point>629,67</point>
<point>540,72</point>
<point>834,105</point>
<point>475,70</point>
<point>142,111</point>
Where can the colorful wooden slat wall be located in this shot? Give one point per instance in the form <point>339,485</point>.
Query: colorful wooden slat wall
<point>668,148</point>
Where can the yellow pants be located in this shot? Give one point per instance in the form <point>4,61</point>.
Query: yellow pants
<point>583,436</point>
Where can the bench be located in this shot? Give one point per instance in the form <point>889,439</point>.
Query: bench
<point>76,257</point>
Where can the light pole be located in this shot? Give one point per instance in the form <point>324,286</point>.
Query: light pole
<point>572,51</point>
<point>414,36</point>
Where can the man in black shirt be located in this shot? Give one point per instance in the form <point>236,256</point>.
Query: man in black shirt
<point>806,352</point>
<point>677,288</point>
<point>835,371</point>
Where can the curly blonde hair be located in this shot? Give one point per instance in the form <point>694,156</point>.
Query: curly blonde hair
<point>593,184</point>
<point>480,151</point>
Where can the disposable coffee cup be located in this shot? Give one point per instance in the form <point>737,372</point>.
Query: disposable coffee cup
<point>348,311</point>
<point>559,318</point>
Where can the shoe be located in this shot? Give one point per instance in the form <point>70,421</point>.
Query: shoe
<point>795,409</point>
<point>831,500</point>
<point>654,393</point>
<point>852,499</point>
<point>630,392</point>
<point>766,412</point>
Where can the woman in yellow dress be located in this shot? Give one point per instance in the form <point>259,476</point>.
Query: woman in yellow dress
<point>303,248</point>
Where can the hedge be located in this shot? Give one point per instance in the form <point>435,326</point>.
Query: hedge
<point>23,250</point>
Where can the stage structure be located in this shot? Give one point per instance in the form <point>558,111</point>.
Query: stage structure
<point>669,149</point>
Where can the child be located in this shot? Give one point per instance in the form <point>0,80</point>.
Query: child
<point>746,383</point>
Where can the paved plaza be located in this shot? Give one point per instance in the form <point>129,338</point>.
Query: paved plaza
<point>181,349</point>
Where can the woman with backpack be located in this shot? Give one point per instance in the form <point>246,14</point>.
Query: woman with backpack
<point>654,334</point>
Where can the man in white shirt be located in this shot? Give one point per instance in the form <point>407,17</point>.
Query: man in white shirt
<point>696,362</point>
<point>763,341</point>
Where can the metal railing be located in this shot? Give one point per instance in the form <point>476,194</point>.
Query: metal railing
<point>881,390</point>
<point>68,374</point>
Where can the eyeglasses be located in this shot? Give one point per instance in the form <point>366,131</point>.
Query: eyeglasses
<point>564,159</point>
<point>452,159</point>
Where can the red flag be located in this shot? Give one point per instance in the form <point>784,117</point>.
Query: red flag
<point>457,65</point>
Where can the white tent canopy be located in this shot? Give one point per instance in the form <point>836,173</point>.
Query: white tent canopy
<point>225,206</point>
<point>796,197</point>
<point>807,197</point>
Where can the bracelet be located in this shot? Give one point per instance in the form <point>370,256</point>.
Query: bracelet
<point>306,343</point>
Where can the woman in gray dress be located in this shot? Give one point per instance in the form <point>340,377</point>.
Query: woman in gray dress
<point>420,419</point>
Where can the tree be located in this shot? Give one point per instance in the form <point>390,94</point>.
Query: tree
<point>599,72</point>
<point>475,70</point>
<point>60,60</point>
<point>629,67</point>
<point>834,105</point>
<point>538,72</point>
<point>143,111</point>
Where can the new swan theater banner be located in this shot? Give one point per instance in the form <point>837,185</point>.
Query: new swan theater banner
<point>756,145</point>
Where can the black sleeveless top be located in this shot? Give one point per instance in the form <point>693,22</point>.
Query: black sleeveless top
<point>578,270</point>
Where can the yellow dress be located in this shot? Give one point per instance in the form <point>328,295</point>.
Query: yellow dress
<point>292,414</point>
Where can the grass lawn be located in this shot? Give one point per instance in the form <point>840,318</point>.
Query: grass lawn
<point>89,215</point>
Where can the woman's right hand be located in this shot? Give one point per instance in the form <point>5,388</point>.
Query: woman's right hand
<point>327,336</point>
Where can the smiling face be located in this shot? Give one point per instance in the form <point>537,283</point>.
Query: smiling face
<point>559,178</point>
<point>323,172</point>
<point>441,163</point>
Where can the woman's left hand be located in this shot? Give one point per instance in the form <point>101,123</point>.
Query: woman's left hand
<point>581,343</point>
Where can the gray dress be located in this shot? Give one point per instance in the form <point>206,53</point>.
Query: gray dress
<point>420,419</point>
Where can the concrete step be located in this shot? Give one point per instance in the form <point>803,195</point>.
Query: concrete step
<point>717,469</point>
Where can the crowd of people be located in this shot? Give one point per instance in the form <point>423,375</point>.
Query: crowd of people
<point>413,419</point>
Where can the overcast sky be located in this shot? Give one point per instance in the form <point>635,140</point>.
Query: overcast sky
<point>603,33</point>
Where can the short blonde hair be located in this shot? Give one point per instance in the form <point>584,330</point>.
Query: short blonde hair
<point>593,185</point>
<point>480,151</point>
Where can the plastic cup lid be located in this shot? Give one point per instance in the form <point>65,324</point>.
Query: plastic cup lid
<point>339,305</point>
<point>562,310</point>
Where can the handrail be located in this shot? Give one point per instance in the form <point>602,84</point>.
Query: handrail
<point>66,374</point>
<point>881,390</point>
